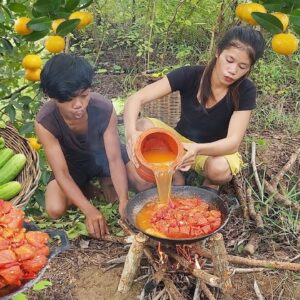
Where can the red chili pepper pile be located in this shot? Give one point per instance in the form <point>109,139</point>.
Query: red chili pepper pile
<point>186,218</point>
<point>22,254</point>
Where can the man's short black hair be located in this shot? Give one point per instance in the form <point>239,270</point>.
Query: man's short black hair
<point>65,75</point>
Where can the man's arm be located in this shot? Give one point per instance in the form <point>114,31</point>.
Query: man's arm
<point>116,164</point>
<point>95,221</point>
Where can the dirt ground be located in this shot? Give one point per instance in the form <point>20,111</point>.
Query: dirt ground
<point>79,272</point>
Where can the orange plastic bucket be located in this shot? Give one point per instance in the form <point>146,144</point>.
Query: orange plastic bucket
<point>156,145</point>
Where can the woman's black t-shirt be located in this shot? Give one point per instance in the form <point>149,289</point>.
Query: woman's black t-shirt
<point>200,125</point>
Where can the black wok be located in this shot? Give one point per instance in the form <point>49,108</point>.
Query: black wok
<point>184,192</point>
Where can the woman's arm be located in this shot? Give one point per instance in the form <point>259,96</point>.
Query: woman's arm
<point>116,164</point>
<point>95,221</point>
<point>133,106</point>
<point>237,127</point>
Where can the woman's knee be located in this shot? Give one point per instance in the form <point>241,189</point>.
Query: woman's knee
<point>55,212</point>
<point>217,169</point>
<point>143,124</point>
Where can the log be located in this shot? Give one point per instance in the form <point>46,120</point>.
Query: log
<point>209,279</point>
<point>253,244</point>
<point>254,215</point>
<point>281,265</point>
<point>220,263</point>
<point>206,291</point>
<point>241,194</point>
<point>168,283</point>
<point>132,263</point>
<point>254,168</point>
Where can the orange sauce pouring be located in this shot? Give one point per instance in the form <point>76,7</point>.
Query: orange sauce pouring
<point>161,161</point>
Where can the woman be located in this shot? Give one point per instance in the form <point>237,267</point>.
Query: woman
<point>216,104</point>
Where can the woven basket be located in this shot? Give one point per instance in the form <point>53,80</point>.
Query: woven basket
<point>30,175</point>
<point>166,108</point>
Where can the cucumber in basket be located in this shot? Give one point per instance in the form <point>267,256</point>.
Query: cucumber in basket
<point>12,168</point>
<point>10,189</point>
<point>5,155</point>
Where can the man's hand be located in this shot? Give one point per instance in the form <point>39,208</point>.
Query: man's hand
<point>96,223</point>
<point>131,140</point>
<point>189,157</point>
<point>122,206</point>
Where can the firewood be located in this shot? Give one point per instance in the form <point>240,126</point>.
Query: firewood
<point>275,181</point>
<point>206,277</point>
<point>281,265</point>
<point>280,198</point>
<point>258,292</point>
<point>132,263</point>
<point>253,163</point>
<point>240,189</point>
<point>252,245</point>
<point>220,263</point>
<point>206,291</point>
<point>168,283</point>
<point>255,216</point>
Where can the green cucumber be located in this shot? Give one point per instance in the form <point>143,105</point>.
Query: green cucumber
<point>5,155</point>
<point>2,142</point>
<point>12,168</point>
<point>10,189</point>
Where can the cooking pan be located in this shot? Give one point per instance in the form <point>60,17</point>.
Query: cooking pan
<point>212,199</point>
<point>9,292</point>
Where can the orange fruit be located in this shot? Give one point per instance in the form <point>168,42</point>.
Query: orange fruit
<point>283,18</point>
<point>20,26</point>
<point>34,143</point>
<point>33,75</point>
<point>31,61</point>
<point>56,23</point>
<point>85,18</point>
<point>285,43</point>
<point>55,44</point>
<point>245,10</point>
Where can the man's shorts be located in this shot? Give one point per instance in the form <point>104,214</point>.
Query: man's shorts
<point>97,166</point>
<point>234,160</point>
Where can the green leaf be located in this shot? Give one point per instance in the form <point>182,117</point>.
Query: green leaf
<point>268,21</point>
<point>43,284</point>
<point>84,4</point>
<point>7,44</point>
<point>71,4</point>
<point>46,6</point>
<point>67,27</point>
<point>36,35</point>
<point>6,10</point>
<point>17,7</point>
<point>26,128</point>
<point>11,111</point>
<point>296,29</point>
<point>20,296</point>
<point>39,24</point>
<point>101,71</point>
<point>295,20</point>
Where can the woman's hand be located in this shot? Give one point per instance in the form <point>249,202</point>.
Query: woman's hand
<point>189,157</point>
<point>131,140</point>
<point>122,206</point>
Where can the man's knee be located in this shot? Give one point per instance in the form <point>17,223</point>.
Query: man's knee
<point>55,212</point>
<point>217,169</point>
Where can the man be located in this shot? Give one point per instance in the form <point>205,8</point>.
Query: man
<point>78,130</point>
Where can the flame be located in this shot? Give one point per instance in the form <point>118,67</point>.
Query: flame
<point>163,257</point>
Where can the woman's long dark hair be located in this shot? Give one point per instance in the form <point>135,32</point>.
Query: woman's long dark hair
<point>238,36</point>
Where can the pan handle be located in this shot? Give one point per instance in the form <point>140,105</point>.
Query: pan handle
<point>64,241</point>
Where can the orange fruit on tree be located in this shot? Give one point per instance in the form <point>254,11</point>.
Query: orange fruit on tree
<point>32,61</point>
<point>246,9</point>
<point>20,26</point>
<point>56,23</point>
<point>85,18</point>
<point>33,75</point>
<point>283,18</point>
<point>55,44</point>
<point>34,143</point>
<point>285,43</point>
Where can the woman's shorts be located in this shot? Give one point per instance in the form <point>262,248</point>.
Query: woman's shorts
<point>234,160</point>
